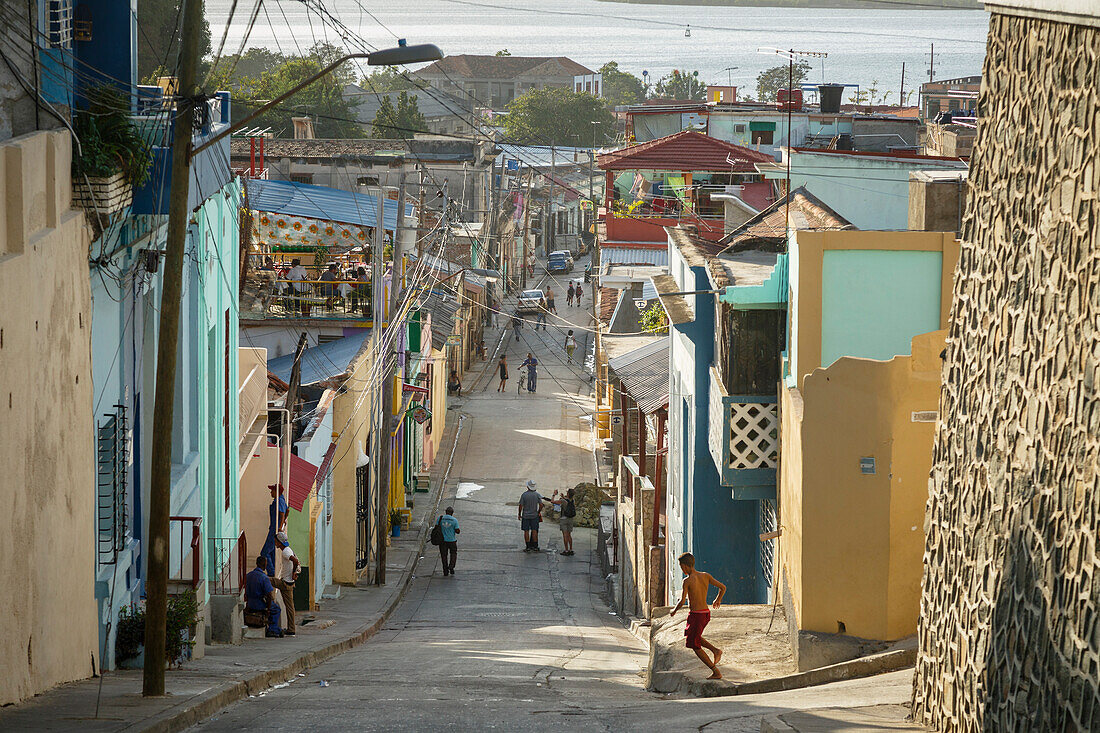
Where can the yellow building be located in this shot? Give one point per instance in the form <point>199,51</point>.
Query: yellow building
<point>859,407</point>
<point>47,528</point>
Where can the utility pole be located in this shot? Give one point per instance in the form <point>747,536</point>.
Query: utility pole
<point>160,499</point>
<point>389,362</point>
<point>550,240</point>
<point>420,217</point>
<point>932,63</point>
<point>901,90</point>
<point>379,446</point>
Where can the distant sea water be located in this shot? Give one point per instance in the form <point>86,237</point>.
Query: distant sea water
<point>862,45</point>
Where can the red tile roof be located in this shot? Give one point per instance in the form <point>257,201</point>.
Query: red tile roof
<point>759,195</point>
<point>684,151</point>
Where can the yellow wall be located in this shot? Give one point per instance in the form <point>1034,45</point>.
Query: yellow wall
<point>255,498</point>
<point>47,430</point>
<point>351,411</point>
<point>852,543</point>
<point>807,268</point>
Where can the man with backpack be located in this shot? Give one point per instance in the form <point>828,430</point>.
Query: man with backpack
<point>444,535</point>
<point>568,509</point>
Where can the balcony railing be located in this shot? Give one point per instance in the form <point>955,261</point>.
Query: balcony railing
<point>275,295</point>
<point>230,563</point>
<point>744,440</point>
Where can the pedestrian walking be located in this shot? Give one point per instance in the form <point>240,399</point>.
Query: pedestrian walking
<point>503,364</point>
<point>541,316</point>
<point>532,374</point>
<point>517,324</point>
<point>530,514</point>
<point>448,548</point>
<point>549,304</point>
<point>579,292</point>
<point>288,574</point>
<point>569,294</point>
<point>568,509</point>
<point>570,345</point>
<point>696,586</point>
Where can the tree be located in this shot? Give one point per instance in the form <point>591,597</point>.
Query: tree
<point>769,82</point>
<point>558,116</point>
<point>386,79</point>
<point>260,75</point>
<point>404,120</point>
<point>334,115</point>
<point>158,36</point>
<point>681,85</point>
<point>503,52</point>
<point>621,87</point>
<point>653,319</point>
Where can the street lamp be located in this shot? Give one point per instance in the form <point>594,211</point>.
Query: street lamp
<point>399,55</point>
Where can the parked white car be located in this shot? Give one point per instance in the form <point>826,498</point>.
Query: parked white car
<point>529,301</point>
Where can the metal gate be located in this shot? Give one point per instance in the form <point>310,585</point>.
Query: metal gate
<point>767,547</point>
<point>364,511</point>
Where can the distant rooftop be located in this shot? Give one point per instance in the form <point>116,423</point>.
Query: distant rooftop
<point>472,66</point>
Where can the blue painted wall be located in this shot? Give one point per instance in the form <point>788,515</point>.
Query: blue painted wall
<point>721,532</point>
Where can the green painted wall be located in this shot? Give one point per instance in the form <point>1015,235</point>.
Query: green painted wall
<point>873,302</point>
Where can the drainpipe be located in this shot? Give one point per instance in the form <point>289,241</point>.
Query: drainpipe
<point>641,442</point>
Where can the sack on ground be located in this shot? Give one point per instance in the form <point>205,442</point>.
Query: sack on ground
<point>255,619</point>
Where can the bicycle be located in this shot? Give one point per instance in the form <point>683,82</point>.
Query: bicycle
<point>521,383</point>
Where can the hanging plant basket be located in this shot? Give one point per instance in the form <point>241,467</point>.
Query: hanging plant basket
<point>102,197</point>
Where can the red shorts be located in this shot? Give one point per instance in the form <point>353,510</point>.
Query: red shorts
<point>697,621</point>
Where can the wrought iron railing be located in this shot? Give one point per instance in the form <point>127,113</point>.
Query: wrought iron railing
<point>229,559</point>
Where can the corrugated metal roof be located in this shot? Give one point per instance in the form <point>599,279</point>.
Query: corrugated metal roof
<point>634,255</point>
<point>320,202</point>
<point>302,476</point>
<point>319,363</point>
<point>684,151</point>
<point>442,309</point>
<point>644,374</point>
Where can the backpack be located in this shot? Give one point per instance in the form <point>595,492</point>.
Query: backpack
<point>568,508</point>
<point>437,532</point>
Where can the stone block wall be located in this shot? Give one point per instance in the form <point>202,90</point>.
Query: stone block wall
<point>1010,611</point>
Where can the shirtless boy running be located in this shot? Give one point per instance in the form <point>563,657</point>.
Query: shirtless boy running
<point>696,587</point>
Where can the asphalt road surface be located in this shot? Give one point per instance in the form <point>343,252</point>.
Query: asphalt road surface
<point>514,640</point>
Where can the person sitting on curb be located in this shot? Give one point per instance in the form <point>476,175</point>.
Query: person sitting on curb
<point>260,605</point>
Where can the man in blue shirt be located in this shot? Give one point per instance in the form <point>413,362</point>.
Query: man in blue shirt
<point>277,513</point>
<point>532,365</point>
<point>449,525</point>
<point>259,596</point>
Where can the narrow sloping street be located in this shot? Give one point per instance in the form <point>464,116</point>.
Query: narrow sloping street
<point>514,640</point>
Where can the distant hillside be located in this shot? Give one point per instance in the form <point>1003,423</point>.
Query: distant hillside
<point>859,4</point>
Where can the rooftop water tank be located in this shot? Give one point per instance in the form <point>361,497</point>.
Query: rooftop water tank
<point>829,96</point>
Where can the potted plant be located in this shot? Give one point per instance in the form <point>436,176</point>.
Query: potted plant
<point>183,615</point>
<point>112,157</point>
<point>395,523</point>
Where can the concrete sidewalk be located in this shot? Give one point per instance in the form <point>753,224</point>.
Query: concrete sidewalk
<point>228,673</point>
<point>756,657</point>
<point>841,720</point>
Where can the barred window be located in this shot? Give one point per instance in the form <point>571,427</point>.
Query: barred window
<point>111,483</point>
<point>59,23</point>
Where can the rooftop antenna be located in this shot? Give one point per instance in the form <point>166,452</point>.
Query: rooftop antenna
<point>791,55</point>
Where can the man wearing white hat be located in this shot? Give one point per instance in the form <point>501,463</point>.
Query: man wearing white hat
<point>530,514</point>
<point>288,573</point>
